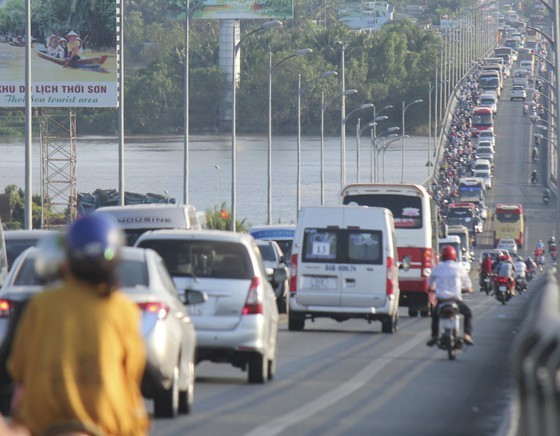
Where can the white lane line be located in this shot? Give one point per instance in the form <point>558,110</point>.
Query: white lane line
<point>277,425</point>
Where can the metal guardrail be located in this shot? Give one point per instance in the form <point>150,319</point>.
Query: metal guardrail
<point>536,364</point>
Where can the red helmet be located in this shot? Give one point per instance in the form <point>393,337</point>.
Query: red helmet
<point>448,253</point>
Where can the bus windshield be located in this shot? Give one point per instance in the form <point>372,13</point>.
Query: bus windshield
<point>471,193</point>
<point>507,217</point>
<point>482,119</point>
<point>407,210</point>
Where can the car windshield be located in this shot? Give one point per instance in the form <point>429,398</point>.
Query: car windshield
<point>267,252</point>
<point>15,247</point>
<point>131,273</point>
<point>203,258</point>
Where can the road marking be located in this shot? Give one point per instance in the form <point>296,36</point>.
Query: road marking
<point>279,424</point>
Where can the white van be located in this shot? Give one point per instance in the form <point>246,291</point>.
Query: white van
<point>139,218</point>
<point>482,165</point>
<point>489,99</point>
<point>527,65</point>
<point>344,265</point>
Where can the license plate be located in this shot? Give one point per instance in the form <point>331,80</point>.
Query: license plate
<point>322,283</point>
<point>487,280</point>
<point>502,288</point>
<point>448,323</point>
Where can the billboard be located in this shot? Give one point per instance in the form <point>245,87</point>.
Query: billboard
<point>73,57</point>
<point>243,9</point>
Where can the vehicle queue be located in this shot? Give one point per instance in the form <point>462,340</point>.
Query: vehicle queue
<point>455,168</point>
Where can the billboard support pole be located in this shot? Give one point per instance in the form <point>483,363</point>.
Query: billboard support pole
<point>120,60</point>
<point>28,217</point>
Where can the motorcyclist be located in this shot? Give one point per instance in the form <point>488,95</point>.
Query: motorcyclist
<point>448,279</point>
<point>78,355</point>
<point>506,271</point>
<point>520,271</point>
<point>551,242</point>
<point>535,154</point>
<point>534,177</point>
<point>531,267</point>
<point>546,193</point>
<point>485,269</point>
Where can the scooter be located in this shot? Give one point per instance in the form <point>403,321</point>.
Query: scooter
<point>503,291</point>
<point>553,252</point>
<point>534,177</point>
<point>546,199</point>
<point>520,284</point>
<point>486,284</point>
<point>525,109</point>
<point>450,329</point>
<point>535,154</point>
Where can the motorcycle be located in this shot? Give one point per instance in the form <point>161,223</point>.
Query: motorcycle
<point>486,284</point>
<point>546,199</point>
<point>450,329</point>
<point>503,291</point>
<point>534,177</point>
<point>553,253</point>
<point>520,284</point>
<point>540,261</point>
<point>535,154</point>
<point>525,109</point>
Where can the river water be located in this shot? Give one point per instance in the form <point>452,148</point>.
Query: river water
<point>155,165</point>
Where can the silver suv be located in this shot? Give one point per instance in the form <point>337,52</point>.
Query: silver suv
<point>238,324</point>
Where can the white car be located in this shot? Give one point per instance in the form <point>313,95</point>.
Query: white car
<point>239,322</point>
<point>508,244</point>
<point>518,93</point>
<point>486,176</point>
<point>487,135</point>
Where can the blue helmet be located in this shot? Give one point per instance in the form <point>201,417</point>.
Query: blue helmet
<point>93,245</point>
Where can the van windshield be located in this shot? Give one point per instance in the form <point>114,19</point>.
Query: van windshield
<point>351,246</point>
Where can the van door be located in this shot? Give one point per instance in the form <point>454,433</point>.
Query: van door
<point>364,272</point>
<point>318,276</point>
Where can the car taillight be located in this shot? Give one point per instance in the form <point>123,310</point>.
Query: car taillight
<point>5,308</point>
<point>427,262</point>
<point>154,307</point>
<point>293,273</point>
<point>390,290</point>
<point>253,304</point>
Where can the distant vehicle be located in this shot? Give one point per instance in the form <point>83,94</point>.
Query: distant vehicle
<point>416,226</point>
<point>494,254</point>
<point>481,165</point>
<point>17,241</point>
<point>472,190</point>
<point>139,218</point>
<point>508,244</point>
<point>455,242</point>
<point>482,119</point>
<point>485,175</point>
<point>283,234</point>
<point>344,265</point>
<point>489,99</point>
<point>487,135</point>
<point>509,222</point>
<point>239,322</point>
<point>487,145</point>
<point>274,260</point>
<point>518,93</point>
<point>167,330</point>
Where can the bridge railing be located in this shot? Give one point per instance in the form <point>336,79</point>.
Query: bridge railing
<point>536,363</point>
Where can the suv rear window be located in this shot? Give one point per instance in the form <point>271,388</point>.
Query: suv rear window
<point>203,258</point>
<point>350,246</point>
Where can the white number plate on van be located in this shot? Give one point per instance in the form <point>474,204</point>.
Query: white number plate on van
<point>322,282</point>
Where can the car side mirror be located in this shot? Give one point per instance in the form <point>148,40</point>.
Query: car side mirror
<point>405,263</point>
<point>194,297</point>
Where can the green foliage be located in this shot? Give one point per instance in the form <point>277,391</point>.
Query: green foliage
<point>220,219</point>
<point>17,202</point>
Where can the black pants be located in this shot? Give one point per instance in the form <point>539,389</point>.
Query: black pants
<point>463,309</point>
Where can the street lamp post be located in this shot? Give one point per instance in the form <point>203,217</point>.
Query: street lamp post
<point>220,170</point>
<point>265,26</point>
<point>300,92</point>
<point>374,138</point>
<point>323,109</point>
<point>343,46</point>
<point>189,13</point>
<point>271,70</point>
<point>390,131</point>
<point>404,108</point>
<point>359,132</point>
<point>431,88</point>
<point>386,145</point>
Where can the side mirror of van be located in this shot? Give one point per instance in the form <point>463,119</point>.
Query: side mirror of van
<point>194,297</point>
<point>405,263</point>
<point>279,275</point>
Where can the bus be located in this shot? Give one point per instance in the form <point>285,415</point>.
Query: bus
<point>416,226</point>
<point>509,222</point>
<point>482,119</point>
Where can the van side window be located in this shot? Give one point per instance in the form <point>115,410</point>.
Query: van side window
<point>343,246</point>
